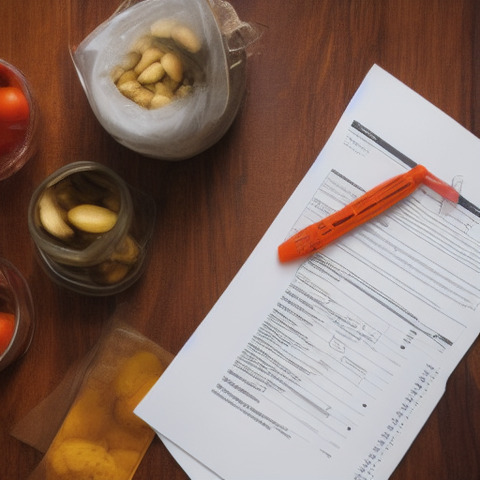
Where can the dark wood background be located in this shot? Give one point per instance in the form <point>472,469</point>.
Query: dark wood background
<point>214,208</point>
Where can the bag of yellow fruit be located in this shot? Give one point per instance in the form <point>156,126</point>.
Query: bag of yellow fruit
<point>100,438</point>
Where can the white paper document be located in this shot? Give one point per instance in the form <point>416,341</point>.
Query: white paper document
<point>327,367</point>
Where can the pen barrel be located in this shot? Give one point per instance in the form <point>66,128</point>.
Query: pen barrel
<point>376,201</point>
<point>361,210</point>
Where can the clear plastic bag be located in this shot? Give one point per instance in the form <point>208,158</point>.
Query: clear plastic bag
<point>186,126</point>
<point>86,427</point>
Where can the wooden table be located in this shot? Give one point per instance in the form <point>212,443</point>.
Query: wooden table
<point>214,208</point>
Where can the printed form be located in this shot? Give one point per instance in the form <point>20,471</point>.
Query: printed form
<point>328,367</point>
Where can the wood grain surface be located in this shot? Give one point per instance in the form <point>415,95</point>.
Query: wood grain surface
<point>215,207</point>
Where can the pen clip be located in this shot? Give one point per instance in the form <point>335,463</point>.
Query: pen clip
<point>447,206</point>
<point>442,188</point>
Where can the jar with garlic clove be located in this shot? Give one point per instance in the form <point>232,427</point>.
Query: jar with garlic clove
<point>91,230</point>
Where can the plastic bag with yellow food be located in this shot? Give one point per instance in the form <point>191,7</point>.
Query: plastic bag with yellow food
<point>100,438</point>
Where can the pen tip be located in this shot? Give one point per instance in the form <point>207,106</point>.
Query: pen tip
<point>287,252</point>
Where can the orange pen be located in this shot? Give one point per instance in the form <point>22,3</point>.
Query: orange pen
<point>364,208</point>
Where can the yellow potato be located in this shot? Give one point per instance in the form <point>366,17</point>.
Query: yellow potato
<point>77,459</point>
<point>89,417</point>
<point>124,406</point>
<point>135,372</point>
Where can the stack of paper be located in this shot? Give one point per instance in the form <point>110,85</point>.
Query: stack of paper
<point>327,368</point>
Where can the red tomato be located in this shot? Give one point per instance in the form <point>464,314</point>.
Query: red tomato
<point>13,105</point>
<point>14,116</point>
<point>7,328</point>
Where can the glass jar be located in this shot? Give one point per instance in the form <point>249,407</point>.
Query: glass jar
<point>16,303</point>
<point>90,228</point>
<point>17,127</point>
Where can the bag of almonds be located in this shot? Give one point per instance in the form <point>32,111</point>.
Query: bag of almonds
<point>166,77</point>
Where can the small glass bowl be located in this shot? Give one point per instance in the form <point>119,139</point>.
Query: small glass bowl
<point>92,263</point>
<point>15,298</point>
<point>17,141</point>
